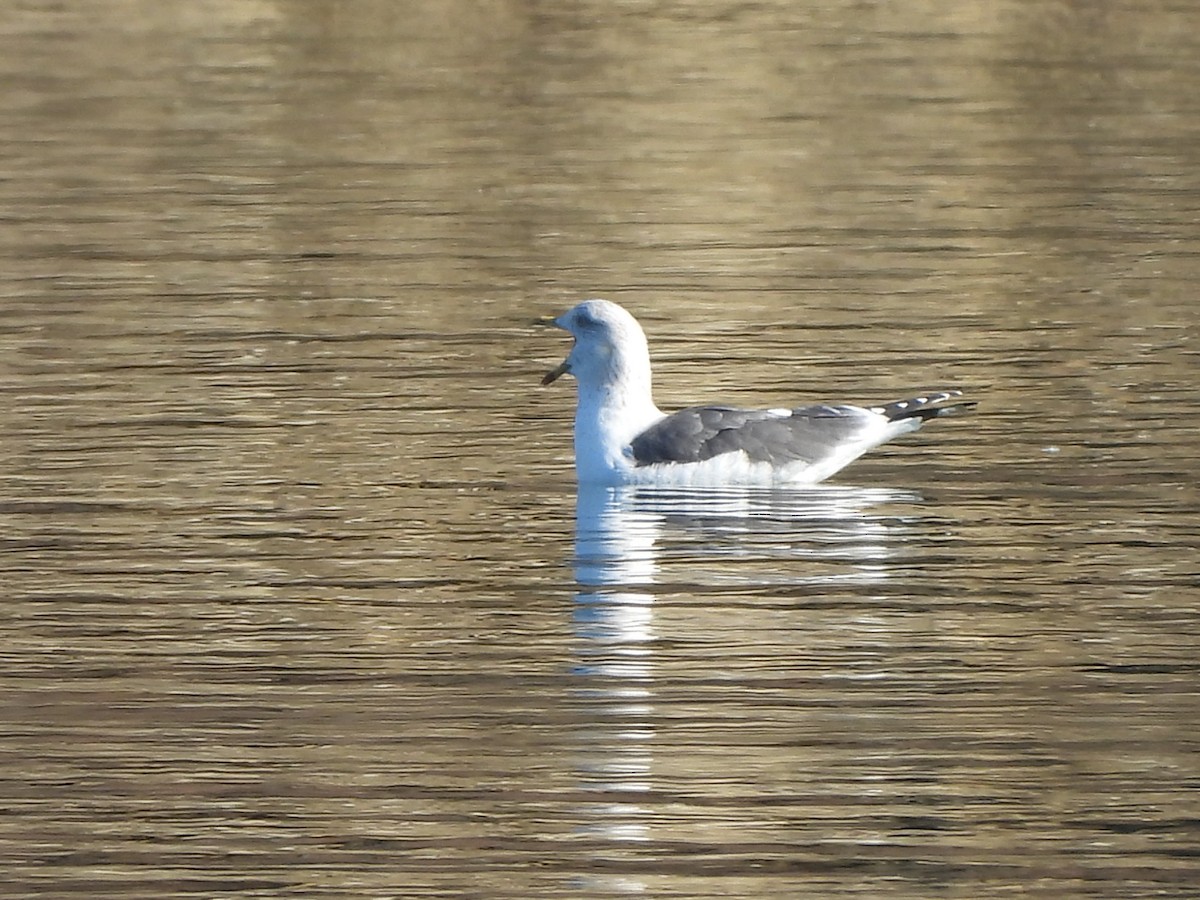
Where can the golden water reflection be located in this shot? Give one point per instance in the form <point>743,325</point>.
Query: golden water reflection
<point>294,602</point>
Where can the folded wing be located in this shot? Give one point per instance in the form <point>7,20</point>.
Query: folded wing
<point>778,437</point>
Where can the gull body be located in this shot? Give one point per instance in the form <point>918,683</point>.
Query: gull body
<point>622,437</point>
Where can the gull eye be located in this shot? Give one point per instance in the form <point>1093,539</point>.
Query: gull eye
<point>585,319</point>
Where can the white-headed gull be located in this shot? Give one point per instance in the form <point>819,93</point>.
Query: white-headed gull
<point>621,437</point>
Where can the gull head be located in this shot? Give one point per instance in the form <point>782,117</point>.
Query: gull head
<point>610,347</point>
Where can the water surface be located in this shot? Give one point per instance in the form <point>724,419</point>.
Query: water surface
<point>300,599</point>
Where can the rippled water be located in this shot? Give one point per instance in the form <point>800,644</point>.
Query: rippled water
<point>299,596</point>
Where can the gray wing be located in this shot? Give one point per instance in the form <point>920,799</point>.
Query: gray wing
<point>777,437</point>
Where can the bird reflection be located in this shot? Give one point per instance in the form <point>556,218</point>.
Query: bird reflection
<point>623,535</point>
<point>613,620</point>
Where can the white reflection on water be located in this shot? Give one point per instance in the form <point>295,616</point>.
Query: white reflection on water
<point>623,537</point>
<point>613,618</point>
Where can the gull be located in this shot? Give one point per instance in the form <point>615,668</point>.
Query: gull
<point>622,437</point>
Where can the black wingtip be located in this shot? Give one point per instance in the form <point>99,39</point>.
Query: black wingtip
<point>928,406</point>
<point>961,408</point>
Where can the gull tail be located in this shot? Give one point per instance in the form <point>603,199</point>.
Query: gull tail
<point>927,406</point>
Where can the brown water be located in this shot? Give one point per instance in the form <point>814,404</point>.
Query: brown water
<point>298,599</point>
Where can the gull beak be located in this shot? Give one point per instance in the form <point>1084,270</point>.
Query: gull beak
<point>556,373</point>
<point>562,368</point>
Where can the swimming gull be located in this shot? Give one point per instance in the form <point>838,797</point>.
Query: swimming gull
<point>621,437</point>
